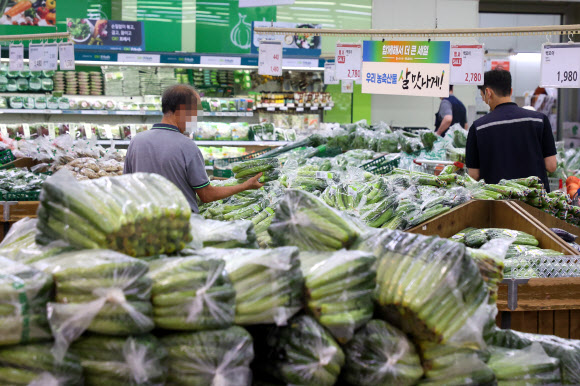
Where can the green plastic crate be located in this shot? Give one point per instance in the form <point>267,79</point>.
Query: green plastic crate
<point>222,167</point>
<point>381,165</point>
<point>6,156</point>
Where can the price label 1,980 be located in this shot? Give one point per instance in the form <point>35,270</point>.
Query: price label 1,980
<point>270,58</point>
<point>66,55</point>
<point>466,65</point>
<point>348,61</point>
<point>560,65</point>
<point>35,56</point>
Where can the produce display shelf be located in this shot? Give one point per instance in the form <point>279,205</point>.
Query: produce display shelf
<point>227,114</point>
<point>80,112</point>
<point>298,107</point>
<point>206,143</point>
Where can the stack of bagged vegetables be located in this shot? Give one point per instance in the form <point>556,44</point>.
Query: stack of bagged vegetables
<point>136,214</point>
<point>15,183</point>
<point>248,169</point>
<point>219,234</point>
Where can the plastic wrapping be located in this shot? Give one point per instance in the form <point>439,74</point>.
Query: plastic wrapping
<point>191,293</point>
<point>566,350</point>
<point>268,282</point>
<point>452,366</point>
<point>305,221</point>
<point>339,287</point>
<point>24,294</point>
<point>99,291</point>
<point>35,365</point>
<point>248,169</point>
<point>18,181</point>
<point>121,361</point>
<point>429,287</point>
<point>20,245</point>
<point>221,234</point>
<point>530,365</point>
<point>477,237</point>
<point>490,259</point>
<point>302,353</point>
<point>209,358</point>
<point>380,354</point>
<point>137,214</point>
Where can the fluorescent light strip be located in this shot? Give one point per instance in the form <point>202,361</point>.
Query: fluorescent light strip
<point>353,12</point>
<point>356,6</point>
<point>309,9</point>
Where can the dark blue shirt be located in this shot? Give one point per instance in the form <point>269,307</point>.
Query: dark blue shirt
<point>510,142</point>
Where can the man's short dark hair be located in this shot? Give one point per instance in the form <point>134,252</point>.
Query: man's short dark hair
<point>500,81</point>
<point>177,96</point>
<point>451,87</point>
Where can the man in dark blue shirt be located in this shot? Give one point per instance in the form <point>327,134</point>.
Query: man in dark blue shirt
<point>451,111</point>
<point>509,142</point>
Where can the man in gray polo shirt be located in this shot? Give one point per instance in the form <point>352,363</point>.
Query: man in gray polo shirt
<point>165,150</point>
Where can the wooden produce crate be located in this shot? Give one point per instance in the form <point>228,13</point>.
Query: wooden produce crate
<point>492,214</point>
<point>25,162</point>
<point>12,211</point>
<point>544,305</point>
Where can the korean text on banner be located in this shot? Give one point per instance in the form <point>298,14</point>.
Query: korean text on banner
<point>416,68</point>
<point>270,58</point>
<point>467,65</point>
<point>560,65</point>
<point>348,61</point>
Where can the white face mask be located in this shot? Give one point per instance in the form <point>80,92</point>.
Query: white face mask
<point>191,126</point>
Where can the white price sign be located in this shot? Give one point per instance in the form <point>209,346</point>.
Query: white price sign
<point>270,58</point>
<point>50,57</point>
<point>467,65</point>
<point>347,86</point>
<point>66,54</point>
<point>330,73</point>
<point>348,61</point>
<point>16,57</point>
<point>35,56</point>
<point>560,65</point>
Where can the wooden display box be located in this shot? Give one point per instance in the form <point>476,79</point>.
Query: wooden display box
<point>11,212</point>
<point>544,305</point>
<point>492,214</point>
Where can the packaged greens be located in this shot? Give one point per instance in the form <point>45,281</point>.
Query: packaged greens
<point>107,360</point>
<point>137,214</point>
<point>301,353</point>
<point>220,357</point>
<point>191,293</point>
<point>524,366</point>
<point>268,282</point>
<point>380,354</point>
<point>477,237</point>
<point>99,291</point>
<point>35,365</point>
<point>221,234</point>
<point>429,287</point>
<point>23,297</point>
<point>339,287</point>
<point>304,220</point>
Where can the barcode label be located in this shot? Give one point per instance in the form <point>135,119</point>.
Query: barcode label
<point>324,175</point>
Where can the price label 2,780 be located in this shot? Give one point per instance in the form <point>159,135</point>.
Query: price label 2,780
<point>270,58</point>
<point>348,61</point>
<point>560,65</point>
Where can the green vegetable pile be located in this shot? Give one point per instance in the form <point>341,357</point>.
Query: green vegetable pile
<point>14,182</point>
<point>136,214</point>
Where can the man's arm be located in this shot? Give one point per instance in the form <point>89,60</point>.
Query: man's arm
<point>474,173</point>
<point>551,163</point>
<point>214,193</point>
<point>447,120</point>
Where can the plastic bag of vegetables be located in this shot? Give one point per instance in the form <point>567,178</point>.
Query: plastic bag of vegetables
<point>191,293</point>
<point>302,353</point>
<point>136,214</point>
<point>221,234</point>
<point>339,287</point>
<point>107,360</point>
<point>206,358</point>
<point>35,365</point>
<point>99,291</point>
<point>380,354</point>
<point>24,294</point>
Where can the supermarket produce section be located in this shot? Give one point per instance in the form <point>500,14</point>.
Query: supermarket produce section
<point>337,271</point>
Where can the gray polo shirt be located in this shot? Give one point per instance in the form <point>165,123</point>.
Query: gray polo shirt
<point>165,151</point>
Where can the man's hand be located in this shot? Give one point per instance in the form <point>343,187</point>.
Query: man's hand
<point>253,182</point>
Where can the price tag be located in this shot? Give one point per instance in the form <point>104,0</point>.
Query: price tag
<point>50,57</point>
<point>560,65</point>
<point>250,114</point>
<point>16,57</point>
<point>299,109</point>
<point>467,65</point>
<point>271,109</point>
<point>51,131</point>
<point>348,61</point>
<point>347,86</point>
<point>283,108</point>
<point>330,73</point>
<point>35,56</point>
<point>314,108</point>
<point>66,55</point>
<point>26,130</point>
<point>270,58</point>
<point>291,105</point>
